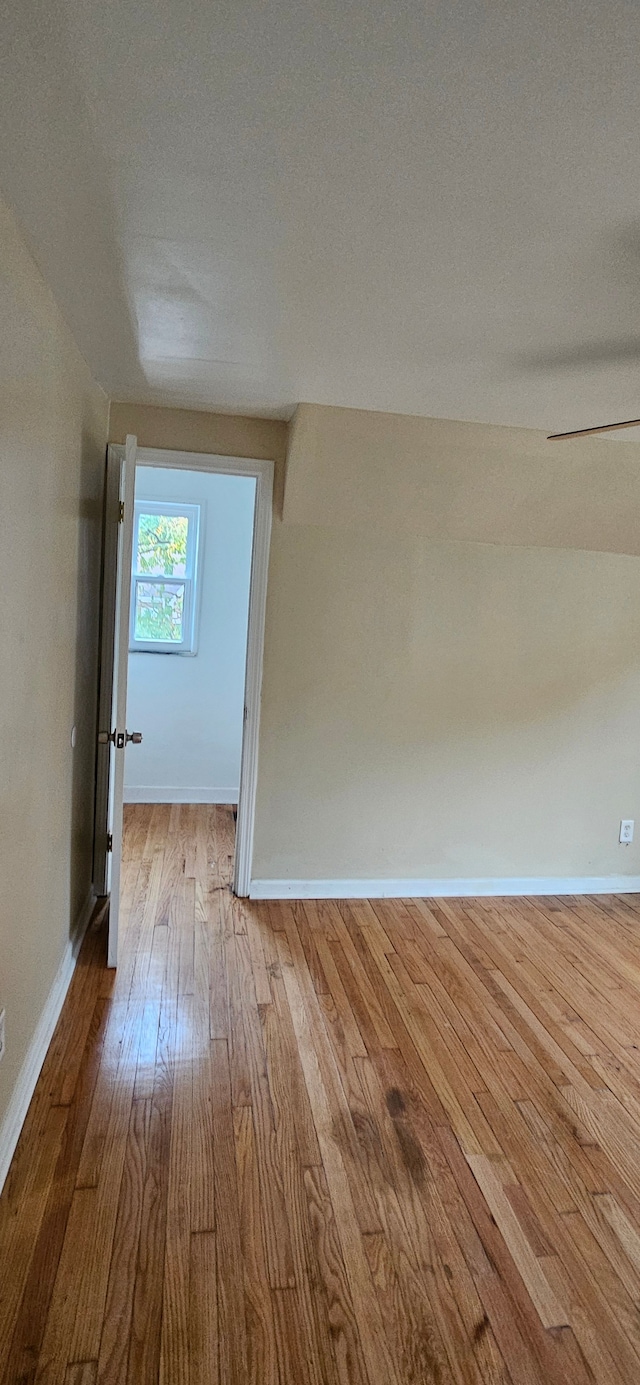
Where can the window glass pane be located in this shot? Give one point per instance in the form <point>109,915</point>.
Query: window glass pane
<point>162,545</point>
<point>159,611</point>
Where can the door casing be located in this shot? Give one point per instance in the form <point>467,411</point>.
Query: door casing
<point>263,472</point>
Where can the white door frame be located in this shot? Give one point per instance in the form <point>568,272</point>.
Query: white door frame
<point>263,473</point>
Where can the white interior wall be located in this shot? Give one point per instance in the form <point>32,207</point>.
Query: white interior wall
<point>190,708</point>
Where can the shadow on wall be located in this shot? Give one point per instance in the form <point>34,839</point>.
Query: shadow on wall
<point>439,640</point>
<point>535,632</point>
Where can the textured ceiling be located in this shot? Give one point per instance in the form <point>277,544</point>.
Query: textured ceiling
<point>424,208</point>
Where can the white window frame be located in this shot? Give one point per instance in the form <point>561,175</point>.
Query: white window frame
<point>190,581</point>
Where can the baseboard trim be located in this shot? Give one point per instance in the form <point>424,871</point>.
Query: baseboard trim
<point>37,1050</point>
<point>443,889</point>
<point>168,793</point>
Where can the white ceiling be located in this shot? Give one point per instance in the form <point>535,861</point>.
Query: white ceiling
<point>432,208</point>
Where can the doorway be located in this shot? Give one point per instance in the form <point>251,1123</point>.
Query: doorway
<point>191,573</point>
<point>183,616</point>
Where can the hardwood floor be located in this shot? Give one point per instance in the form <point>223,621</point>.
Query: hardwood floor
<point>329,1142</point>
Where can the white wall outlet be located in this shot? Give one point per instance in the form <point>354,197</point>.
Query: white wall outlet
<point>2,1038</point>
<point>626,831</point>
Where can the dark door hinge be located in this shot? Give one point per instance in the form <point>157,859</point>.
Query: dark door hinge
<point>109,841</point>
<point>121,512</point>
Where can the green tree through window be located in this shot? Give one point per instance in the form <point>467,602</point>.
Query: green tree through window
<point>162,545</point>
<point>164,573</point>
<point>159,611</point>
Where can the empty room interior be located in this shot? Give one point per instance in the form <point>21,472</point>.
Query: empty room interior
<point>320,693</point>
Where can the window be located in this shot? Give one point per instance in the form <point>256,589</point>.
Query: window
<point>164,577</point>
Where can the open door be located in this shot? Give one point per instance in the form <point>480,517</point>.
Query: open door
<point>113,736</point>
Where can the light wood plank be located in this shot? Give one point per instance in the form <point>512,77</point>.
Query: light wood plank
<point>330,1142</point>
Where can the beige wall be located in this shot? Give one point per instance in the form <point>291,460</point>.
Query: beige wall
<point>440,709</point>
<point>437,709</point>
<point>464,481</point>
<point>53,429</point>
<point>189,430</point>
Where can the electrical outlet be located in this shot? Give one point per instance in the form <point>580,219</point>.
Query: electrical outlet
<point>626,831</point>
<point>2,1039</point>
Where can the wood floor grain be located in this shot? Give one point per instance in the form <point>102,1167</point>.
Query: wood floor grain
<point>331,1142</point>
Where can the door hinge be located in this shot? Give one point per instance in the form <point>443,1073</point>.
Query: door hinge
<point>121,512</point>
<point>109,841</point>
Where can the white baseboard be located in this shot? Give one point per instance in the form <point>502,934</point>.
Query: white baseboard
<point>169,793</point>
<point>37,1051</point>
<point>443,889</point>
